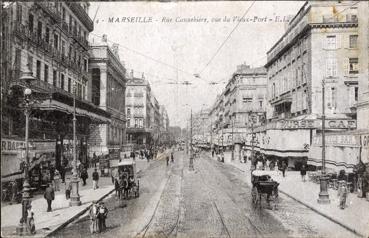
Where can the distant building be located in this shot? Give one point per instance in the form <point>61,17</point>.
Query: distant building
<point>108,85</point>
<point>243,98</point>
<point>143,113</point>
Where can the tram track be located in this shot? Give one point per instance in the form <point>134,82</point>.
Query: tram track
<point>164,232</point>
<point>256,229</point>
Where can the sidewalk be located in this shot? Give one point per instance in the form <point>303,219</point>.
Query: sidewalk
<point>49,222</point>
<point>355,217</point>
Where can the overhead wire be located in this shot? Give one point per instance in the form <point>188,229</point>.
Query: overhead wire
<point>227,38</point>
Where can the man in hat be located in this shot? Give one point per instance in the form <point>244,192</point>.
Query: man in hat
<point>49,195</point>
<point>342,193</point>
<point>103,214</point>
<point>95,179</point>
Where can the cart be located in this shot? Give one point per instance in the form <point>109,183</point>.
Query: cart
<point>264,186</point>
<point>127,167</point>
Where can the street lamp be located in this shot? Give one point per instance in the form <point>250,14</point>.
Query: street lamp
<point>74,196</point>
<point>323,194</point>
<point>23,228</point>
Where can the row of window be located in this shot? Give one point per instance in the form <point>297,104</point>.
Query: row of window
<point>44,32</point>
<point>136,123</point>
<point>351,66</point>
<point>59,79</point>
<point>137,110</point>
<point>333,42</point>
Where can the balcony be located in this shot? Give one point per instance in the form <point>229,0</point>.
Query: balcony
<point>50,9</point>
<point>81,14</point>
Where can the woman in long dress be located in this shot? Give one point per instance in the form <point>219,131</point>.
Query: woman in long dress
<point>94,213</point>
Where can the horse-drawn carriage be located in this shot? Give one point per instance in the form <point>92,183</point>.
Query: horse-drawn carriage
<point>126,168</point>
<point>264,186</point>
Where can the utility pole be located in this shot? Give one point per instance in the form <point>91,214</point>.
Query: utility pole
<point>191,167</point>
<point>232,141</point>
<point>323,194</point>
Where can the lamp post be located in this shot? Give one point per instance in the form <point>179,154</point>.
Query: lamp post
<point>74,196</point>
<point>323,194</point>
<point>23,228</point>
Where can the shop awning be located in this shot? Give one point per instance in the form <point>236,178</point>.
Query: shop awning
<point>55,105</point>
<point>342,151</point>
<point>336,158</point>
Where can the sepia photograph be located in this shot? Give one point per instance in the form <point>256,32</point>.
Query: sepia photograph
<point>188,119</point>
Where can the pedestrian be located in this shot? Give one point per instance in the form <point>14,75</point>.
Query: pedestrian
<point>84,176</point>
<point>94,159</point>
<point>116,187</point>
<point>303,172</point>
<point>103,214</point>
<point>142,154</point>
<point>68,189</point>
<point>30,220</point>
<point>125,187</point>
<point>14,190</point>
<point>172,157</point>
<point>49,195</point>
<point>95,179</point>
<point>52,173</point>
<point>212,153</point>
<point>94,214</point>
<point>167,158</point>
<point>284,167</point>
<point>57,180</point>
<point>342,193</point>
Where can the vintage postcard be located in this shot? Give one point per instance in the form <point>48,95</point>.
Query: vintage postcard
<point>185,119</point>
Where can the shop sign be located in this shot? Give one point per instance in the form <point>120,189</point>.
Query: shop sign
<point>340,124</point>
<point>295,124</point>
<point>310,124</point>
<point>12,145</point>
<point>45,145</point>
<point>337,140</point>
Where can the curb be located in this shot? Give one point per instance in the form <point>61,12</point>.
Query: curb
<point>76,216</point>
<point>323,214</point>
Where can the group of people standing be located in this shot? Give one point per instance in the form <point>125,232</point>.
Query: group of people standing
<point>123,184</point>
<point>98,214</point>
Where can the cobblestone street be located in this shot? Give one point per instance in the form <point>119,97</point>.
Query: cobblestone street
<point>212,201</point>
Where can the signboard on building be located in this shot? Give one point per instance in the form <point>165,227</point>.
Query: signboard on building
<point>8,145</point>
<point>337,140</point>
<point>312,124</point>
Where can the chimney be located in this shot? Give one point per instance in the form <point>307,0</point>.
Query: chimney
<point>104,38</point>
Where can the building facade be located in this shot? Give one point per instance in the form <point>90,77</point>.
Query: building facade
<point>49,38</point>
<point>320,45</point>
<point>240,107</point>
<point>108,84</point>
<point>144,119</point>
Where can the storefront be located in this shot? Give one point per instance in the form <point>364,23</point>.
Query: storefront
<point>342,151</point>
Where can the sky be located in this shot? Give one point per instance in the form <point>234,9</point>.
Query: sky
<point>156,39</point>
